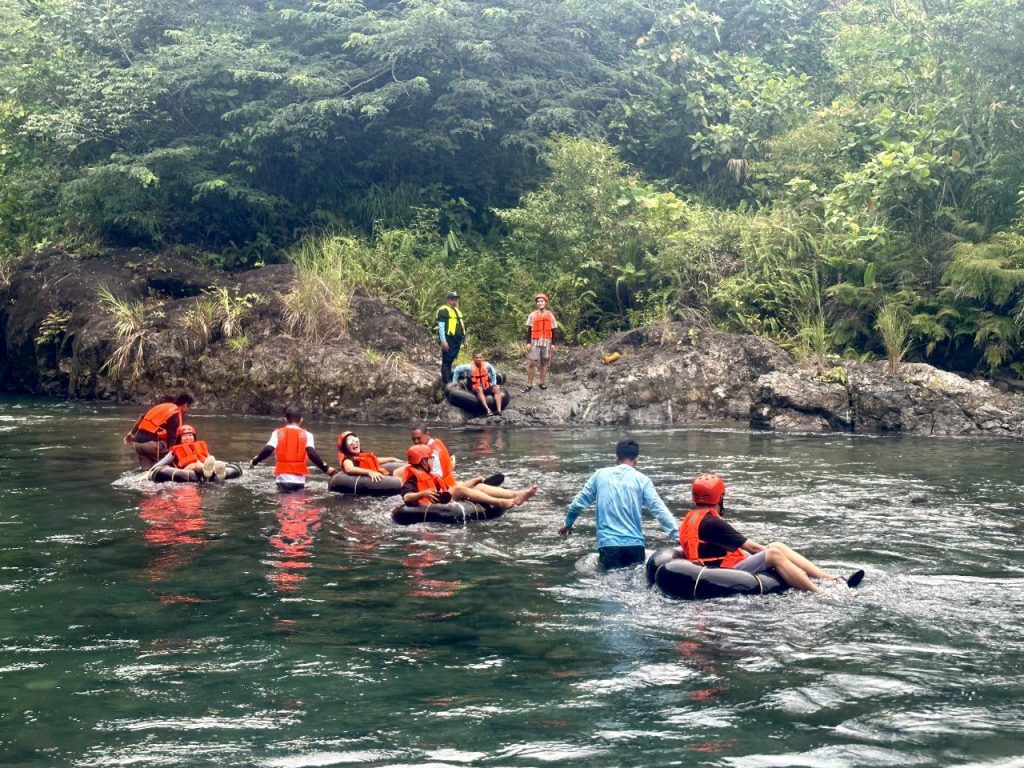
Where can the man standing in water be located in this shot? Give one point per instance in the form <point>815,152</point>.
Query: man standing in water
<point>621,493</point>
<point>451,332</point>
<point>155,431</point>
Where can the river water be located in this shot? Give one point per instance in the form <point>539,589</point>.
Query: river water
<point>145,625</point>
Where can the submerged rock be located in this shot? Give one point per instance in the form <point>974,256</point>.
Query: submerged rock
<point>384,367</point>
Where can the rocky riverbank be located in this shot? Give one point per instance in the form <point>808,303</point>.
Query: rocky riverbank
<point>56,337</point>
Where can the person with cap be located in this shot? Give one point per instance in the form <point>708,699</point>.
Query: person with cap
<point>620,494</point>
<point>422,486</point>
<point>706,539</point>
<point>541,328</point>
<point>451,332</point>
<point>190,453</point>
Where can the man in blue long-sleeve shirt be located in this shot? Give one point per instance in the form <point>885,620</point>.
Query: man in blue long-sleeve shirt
<point>621,494</point>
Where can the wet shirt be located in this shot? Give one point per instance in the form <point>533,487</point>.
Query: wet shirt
<point>621,493</point>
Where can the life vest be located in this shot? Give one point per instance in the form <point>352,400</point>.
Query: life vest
<point>291,452</point>
<point>424,482</point>
<point>363,460</point>
<point>542,325</point>
<point>479,377</point>
<point>189,453</point>
<point>157,416</point>
<point>690,541</point>
<point>454,319</point>
<point>445,458</point>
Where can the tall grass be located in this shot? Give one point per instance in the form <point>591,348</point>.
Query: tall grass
<point>893,325</point>
<point>327,271</point>
<point>133,322</point>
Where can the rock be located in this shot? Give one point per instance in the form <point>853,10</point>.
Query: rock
<point>384,366</point>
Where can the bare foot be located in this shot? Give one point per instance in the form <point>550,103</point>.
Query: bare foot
<point>526,495</point>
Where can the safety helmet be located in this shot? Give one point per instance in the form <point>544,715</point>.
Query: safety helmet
<point>341,440</point>
<point>542,296</point>
<point>708,489</point>
<point>418,453</point>
<point>185,429</point>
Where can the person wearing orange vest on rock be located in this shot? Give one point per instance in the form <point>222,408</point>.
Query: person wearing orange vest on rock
<point>353,460</point>
<point>156,430</point>
<point>474,489</point>
<point>706,539</point>
<point>292,446</point>
<point>481,379</point>
<point>541,328</point>
<point>423,486</point>
<point>192,455</point>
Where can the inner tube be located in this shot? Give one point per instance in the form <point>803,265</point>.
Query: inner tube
<point>467,401</point>
<point>174,475</point>
<point>361,485</point>
<point>678,577</point>
<point>452,513</point>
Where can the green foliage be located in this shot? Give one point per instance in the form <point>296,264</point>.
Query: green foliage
<point>133,326</point>
<point>782,167</point>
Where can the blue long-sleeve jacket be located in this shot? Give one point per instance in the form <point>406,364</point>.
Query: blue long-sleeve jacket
<point>621,494</point>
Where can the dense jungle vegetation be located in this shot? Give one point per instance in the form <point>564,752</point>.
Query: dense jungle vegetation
<point>844,176</point>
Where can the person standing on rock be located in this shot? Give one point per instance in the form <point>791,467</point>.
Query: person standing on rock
<point>292,446</point>
<point>620,494</point>
<point>541,328</point>
<point>451,332</point>
<point>156,430</point>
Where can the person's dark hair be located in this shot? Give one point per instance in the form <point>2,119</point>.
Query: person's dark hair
<point>183,398</point>
<point>292,414</point>
<point>627,450</point>
<point>423,428</point>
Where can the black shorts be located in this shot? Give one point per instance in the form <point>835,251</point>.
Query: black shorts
<point>620,557</point>
<point>290,487</point>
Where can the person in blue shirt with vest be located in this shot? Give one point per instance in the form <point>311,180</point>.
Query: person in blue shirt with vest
<point>621,493</point>
<point>451,332</point>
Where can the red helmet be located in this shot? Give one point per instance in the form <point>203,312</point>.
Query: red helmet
<point>341,440</point>
<point>542,296</point>
<point>185,429</point>
<point>418,453</point>
<point>708,489</point>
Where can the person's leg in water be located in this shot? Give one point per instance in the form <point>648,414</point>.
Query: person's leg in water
<point>476,494</point>
<point>499,492</point>
<point>795,569</point>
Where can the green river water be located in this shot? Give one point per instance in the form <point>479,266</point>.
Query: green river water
<point>145,625</point>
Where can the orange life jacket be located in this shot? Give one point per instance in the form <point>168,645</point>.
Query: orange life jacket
<point>478,376</point>
<point>424,482</point>
<point>447,470</point>
<point>157,416</point>
<point>543,323</point>
<point>689,539</point>
<point>291,452</point>
<point>363,460</point>
<point>189,453</point>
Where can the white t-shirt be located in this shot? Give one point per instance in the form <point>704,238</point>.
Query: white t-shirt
<point>286,478</point>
